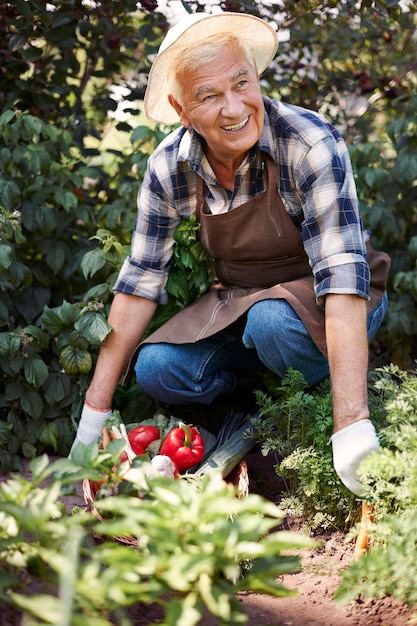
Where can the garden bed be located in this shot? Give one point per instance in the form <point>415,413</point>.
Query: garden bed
<point>315,583</point>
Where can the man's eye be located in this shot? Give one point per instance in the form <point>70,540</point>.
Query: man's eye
<point>209,97</point>
<point>242,83</point>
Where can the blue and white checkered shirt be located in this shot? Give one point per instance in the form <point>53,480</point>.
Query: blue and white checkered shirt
<point>315,182</point>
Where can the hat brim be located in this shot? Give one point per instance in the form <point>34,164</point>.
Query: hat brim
<point>259,36</point>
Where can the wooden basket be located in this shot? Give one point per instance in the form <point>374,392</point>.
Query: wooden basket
<point>89,499</point>
<point>239,477</point>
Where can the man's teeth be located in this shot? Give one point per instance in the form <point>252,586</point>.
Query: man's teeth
<point>236,126</point>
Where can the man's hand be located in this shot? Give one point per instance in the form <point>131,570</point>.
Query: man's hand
<point>350,446</point>
<point>89,428</point>
<point>129,317</point>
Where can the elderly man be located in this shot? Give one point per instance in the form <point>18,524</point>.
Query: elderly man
<point>273,190</point>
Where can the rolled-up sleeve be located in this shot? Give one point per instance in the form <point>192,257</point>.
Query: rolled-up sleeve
<point>317,186</point>
<point>161,203</point>
<point>332,228</point>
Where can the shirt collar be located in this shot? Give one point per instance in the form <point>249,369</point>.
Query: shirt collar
<point>267,141</point>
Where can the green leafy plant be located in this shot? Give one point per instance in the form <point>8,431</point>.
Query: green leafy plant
<point>389,567</point>
<point>74,149</point>
<point>386,173</point>
<point>194,541</point>
<point>59,185</point>
<point>68,61</point>
<point>190,274</point>
<point>295,424</point>
<point>45,368</point>
<point>47,352</point>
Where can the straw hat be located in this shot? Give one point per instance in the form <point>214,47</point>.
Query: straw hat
<point>259,36</point>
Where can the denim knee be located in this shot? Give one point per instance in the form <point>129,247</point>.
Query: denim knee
<point>180,374</point>
<point>376,317</point>
<point>282,341</point>
<point>148,368</point>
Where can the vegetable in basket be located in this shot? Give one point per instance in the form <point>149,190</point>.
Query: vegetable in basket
<point>184,445</point>
<point>141,436</point>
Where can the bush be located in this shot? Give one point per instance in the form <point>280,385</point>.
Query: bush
<point>46,212</point>
<point>73,152</point>
<point>295,424</point>
<point>389,567</point>
<point>386,174</point>
<point>198,545</point>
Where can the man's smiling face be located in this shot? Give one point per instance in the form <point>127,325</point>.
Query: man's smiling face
<point>222,101</point>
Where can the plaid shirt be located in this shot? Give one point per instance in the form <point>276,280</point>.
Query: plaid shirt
<point>315,182</point>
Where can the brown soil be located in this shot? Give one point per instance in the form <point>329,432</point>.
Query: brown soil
<point>315,583</point>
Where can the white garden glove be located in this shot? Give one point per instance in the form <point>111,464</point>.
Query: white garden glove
<point>90,425</point>
<point>350,446</point>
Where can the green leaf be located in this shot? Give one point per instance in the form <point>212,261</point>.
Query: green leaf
<point>187,258</point>
<point>16,42</point>
<point>14,391</point>
<point>57,320</point>
<point>4,309</point>
<point>39,217</point>
<point>139,134</point>
<point>38,467</point>
<point>177,285</point>
<point>52,321</point>
<point>43,606</point>
<point>16,363</point>
<point>20,275</point>
<point>4,433</point>
<point>412,247</point>
<point>6,255</point>
<point>84,455</point>
<point>49,435</point>
<point>92,262</point>
<point>66,199</point>
<point>15,341</point>
<point>34,126</point>
<point>36,372</point>
<point>68,312</point>
<point>31,403</point>
<point>4,343</point>
<point>57,387</point>
<point>41,337</point>
<point>7,117</point>
<point>75,339</point>
<point>56,256</point>
<point>93,327</point>
<point>75,361</point>
<point>9,194</point>
<point>372,176</point>
<point>405,168</point>
<point>89,171</point>
<point>28,450</point>
<point>39,159</point>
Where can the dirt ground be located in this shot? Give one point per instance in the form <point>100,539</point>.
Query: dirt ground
<point>315,583</point>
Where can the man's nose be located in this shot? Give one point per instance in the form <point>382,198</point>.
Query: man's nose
<point>232,105</point>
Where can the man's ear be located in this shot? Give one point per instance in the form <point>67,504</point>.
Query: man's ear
<point>179,110</point>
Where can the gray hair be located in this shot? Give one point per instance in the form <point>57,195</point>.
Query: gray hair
<point>202,52</point>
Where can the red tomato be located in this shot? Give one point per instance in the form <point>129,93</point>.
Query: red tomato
<point>141,436</point>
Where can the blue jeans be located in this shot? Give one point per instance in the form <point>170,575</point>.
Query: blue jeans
<point>271,336</point>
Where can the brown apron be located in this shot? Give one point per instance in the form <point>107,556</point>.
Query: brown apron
<point>258,254</point>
